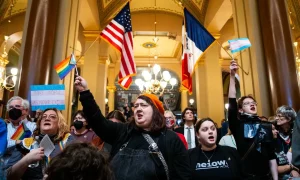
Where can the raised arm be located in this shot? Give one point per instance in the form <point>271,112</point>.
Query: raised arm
<point>232,89</point>
<point>107,130</point>
<point>232,109</point>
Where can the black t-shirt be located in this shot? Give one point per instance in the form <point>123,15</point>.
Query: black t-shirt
<point>217,168</point>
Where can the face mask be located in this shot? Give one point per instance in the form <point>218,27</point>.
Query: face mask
<point>170,123</point>
<point>14,114</point>
<point>78,125</point>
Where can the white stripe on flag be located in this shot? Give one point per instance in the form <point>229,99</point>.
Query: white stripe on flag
<point>111,37</point>
<point>115,31</point>
<point>193,54</point>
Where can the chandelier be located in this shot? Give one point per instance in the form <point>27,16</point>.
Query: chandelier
<point>7,81</point>
<point>156,85</point>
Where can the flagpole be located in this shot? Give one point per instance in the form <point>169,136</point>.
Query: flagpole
<point>247,73</point>
<point>88,48</point>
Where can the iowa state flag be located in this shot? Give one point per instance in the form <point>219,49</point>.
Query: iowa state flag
<point>195,40</point>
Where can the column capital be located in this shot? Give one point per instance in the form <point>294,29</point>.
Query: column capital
<point>104,60</point>
<point>91,35</point>
<point>111,89</point>
<point>216,35</point>
<point>221,61</point>
<point>183,89</point>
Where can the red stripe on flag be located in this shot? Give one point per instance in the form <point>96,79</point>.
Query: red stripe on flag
<point>114,34</point>
<point>186,77</point>
<point>115,27</point>
<point>110,41</point>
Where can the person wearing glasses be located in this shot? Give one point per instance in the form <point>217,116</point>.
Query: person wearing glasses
<point>143,148</point>
<point>82,132</point>
<point>285,116</point>
<point>53,124</point>
<point>253,137</point>
<point>210,160</point>
<point>18,109</point>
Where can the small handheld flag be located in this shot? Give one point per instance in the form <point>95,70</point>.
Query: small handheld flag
<point>239,44</point>
<point>21,133</point>
<point>65,67</point>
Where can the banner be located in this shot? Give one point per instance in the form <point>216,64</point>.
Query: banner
<point>47,96</point>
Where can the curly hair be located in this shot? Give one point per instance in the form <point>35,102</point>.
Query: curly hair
<point>79,161</point>
<point>63,128</point>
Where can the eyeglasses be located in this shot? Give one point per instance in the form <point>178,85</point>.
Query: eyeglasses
<point>142,105</point>
<point>15,106</point>
<point>250,103</point>
<point>281,118</point>
<point>51,117</point>
<point>169,118</point>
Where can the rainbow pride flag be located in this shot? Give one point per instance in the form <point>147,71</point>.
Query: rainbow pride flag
<point>65,66</point>
<point>21,133</point>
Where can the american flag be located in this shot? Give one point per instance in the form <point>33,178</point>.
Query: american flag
<point>118,33</point>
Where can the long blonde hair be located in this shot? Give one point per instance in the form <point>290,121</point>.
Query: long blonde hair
<point>62,125</point>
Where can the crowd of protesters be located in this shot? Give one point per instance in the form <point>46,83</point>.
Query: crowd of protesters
<point>143,142</point>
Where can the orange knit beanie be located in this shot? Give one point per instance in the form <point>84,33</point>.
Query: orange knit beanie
<point>156,102</point>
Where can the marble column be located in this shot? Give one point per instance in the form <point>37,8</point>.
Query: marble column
<point>184,98</point>
<point>215,100</point>
<point>38,47</point>
<point>111,97</point>
<point>50,29</point>
<point>201,90</point>
<point>102,83</point>
<point>278,49</point>
<point>254,80</point>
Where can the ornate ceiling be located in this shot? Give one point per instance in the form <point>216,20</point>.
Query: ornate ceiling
<point>9,8</point>
<point>169,17</point>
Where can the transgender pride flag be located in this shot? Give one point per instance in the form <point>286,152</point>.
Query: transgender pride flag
<point>239,44</point>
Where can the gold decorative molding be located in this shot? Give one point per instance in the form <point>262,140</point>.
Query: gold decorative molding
<point>91,35</point>
<point>177,50</point>
<point>216,35</point>
<point>182,89</point>
<point>197,9</point>
<point>102,60</point>
<point>111,89</point>
<point>157,10</point>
